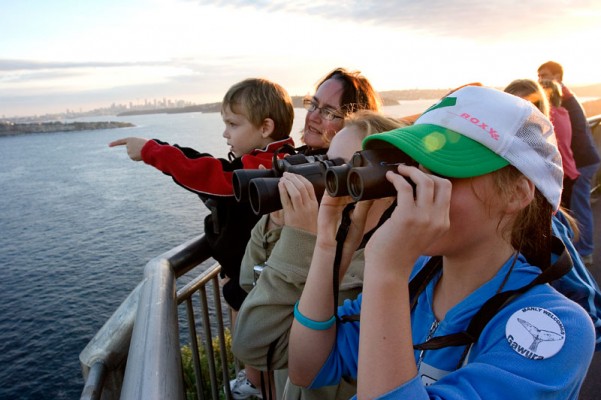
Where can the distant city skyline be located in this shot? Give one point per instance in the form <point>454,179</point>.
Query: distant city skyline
<point>66,54</point>
<point>586,93</point>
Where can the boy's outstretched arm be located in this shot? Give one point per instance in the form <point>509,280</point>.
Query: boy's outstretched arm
<point>133,144</point>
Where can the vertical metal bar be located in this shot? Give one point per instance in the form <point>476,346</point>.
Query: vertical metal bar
<point>95,382</point>
<point>221,333</point>
<point>202,292</point>
<point>195,350</point>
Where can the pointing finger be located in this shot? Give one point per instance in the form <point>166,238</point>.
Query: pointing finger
<point>118,142</point>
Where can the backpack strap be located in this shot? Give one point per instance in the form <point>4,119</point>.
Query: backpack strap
<point>489,309</point>
<point>340,238</point>
<point>341,234</point>
<point>416,286</point>
<point>493,305</point>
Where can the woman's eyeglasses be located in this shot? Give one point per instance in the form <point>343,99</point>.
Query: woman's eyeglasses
<point>327,113</point>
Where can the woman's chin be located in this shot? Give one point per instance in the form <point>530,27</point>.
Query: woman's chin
<point>313,140</point>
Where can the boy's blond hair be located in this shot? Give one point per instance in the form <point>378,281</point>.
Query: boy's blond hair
<point>258,99</point>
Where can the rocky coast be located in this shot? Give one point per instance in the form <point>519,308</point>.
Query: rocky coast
<point>10,129</point>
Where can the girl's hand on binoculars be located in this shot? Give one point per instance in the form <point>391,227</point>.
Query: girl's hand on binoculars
<point>330,215</point>
<point>416,222</point>
<point>329,220</point>
<point>299,202</point>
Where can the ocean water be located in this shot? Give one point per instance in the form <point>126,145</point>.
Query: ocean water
<point>78,222</point>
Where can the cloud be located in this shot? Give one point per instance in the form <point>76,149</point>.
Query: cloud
<point>196,49</point>
<point>51,87</point>
<point>473,19</point>
<point>21,65</point>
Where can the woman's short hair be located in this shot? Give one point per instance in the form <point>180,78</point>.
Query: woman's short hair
<point>357,93</point>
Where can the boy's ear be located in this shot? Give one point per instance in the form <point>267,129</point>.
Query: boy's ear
<point>267,127</point>
<point>523,194</point>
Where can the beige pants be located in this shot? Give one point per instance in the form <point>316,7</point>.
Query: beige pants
<point>287,391</point>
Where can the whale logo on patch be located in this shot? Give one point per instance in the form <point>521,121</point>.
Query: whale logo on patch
<point>535,333</point>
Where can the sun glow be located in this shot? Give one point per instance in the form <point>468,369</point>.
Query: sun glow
<point>197,49</point>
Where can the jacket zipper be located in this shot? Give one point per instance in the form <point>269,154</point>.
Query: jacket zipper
<point>433,328</point>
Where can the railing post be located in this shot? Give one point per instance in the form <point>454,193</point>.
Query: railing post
<point>155,340</point>
<point>110,345</point>
<point>94,384</point>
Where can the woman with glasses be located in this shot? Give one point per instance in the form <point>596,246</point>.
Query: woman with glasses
<point>338,94</point>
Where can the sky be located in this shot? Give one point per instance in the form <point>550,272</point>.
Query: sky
<point>80,55</point>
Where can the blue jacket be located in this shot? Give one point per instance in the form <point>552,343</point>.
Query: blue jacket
<point>583,144</point>
<point>578,284</point>
<point>538,346</point>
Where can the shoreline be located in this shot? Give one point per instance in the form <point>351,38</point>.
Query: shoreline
<point>15,129</point>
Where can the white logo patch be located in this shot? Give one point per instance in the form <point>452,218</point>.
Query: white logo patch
<point>535,333</point>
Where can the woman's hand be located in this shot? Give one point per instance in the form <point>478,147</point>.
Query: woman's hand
<point>415,223</point>
<point>133,145</point>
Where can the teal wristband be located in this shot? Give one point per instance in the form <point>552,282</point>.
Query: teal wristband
<point>311,324</point>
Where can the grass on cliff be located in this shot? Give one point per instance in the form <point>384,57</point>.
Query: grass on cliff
<point>188,368</point>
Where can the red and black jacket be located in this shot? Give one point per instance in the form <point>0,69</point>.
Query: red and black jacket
<point>229,224</point>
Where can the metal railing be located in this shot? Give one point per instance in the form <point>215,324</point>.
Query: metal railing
<point>136,354</point>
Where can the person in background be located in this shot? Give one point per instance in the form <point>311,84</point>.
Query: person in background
<point>560,118</point>
<point>266,315</point>
<point>479,223</point>
<point>338,94</point>
<point>535,93</point>
<point>258,116</point>
<point>587,160</point>
<point>578,284</point>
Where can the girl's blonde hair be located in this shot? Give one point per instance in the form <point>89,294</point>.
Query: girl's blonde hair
<point>531,232</point>
<point>372,122</point>
<point>530,90</point>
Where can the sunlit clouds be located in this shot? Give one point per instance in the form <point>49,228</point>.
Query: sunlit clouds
<point>85,54</point>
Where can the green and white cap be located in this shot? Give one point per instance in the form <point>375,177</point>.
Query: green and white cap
<point>477,130</point>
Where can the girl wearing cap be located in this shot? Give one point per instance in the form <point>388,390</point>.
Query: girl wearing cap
<point>480,221</point>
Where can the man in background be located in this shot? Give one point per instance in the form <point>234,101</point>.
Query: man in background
<point>586,157</point>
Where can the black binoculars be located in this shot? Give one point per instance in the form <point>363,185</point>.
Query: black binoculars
<point>364,177</point>
<point>260,186</point>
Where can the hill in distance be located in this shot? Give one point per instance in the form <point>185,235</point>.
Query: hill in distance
<point>389,97</point>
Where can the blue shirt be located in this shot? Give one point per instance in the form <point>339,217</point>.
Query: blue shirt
<point>538,346</point>
<point>578,284</point>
